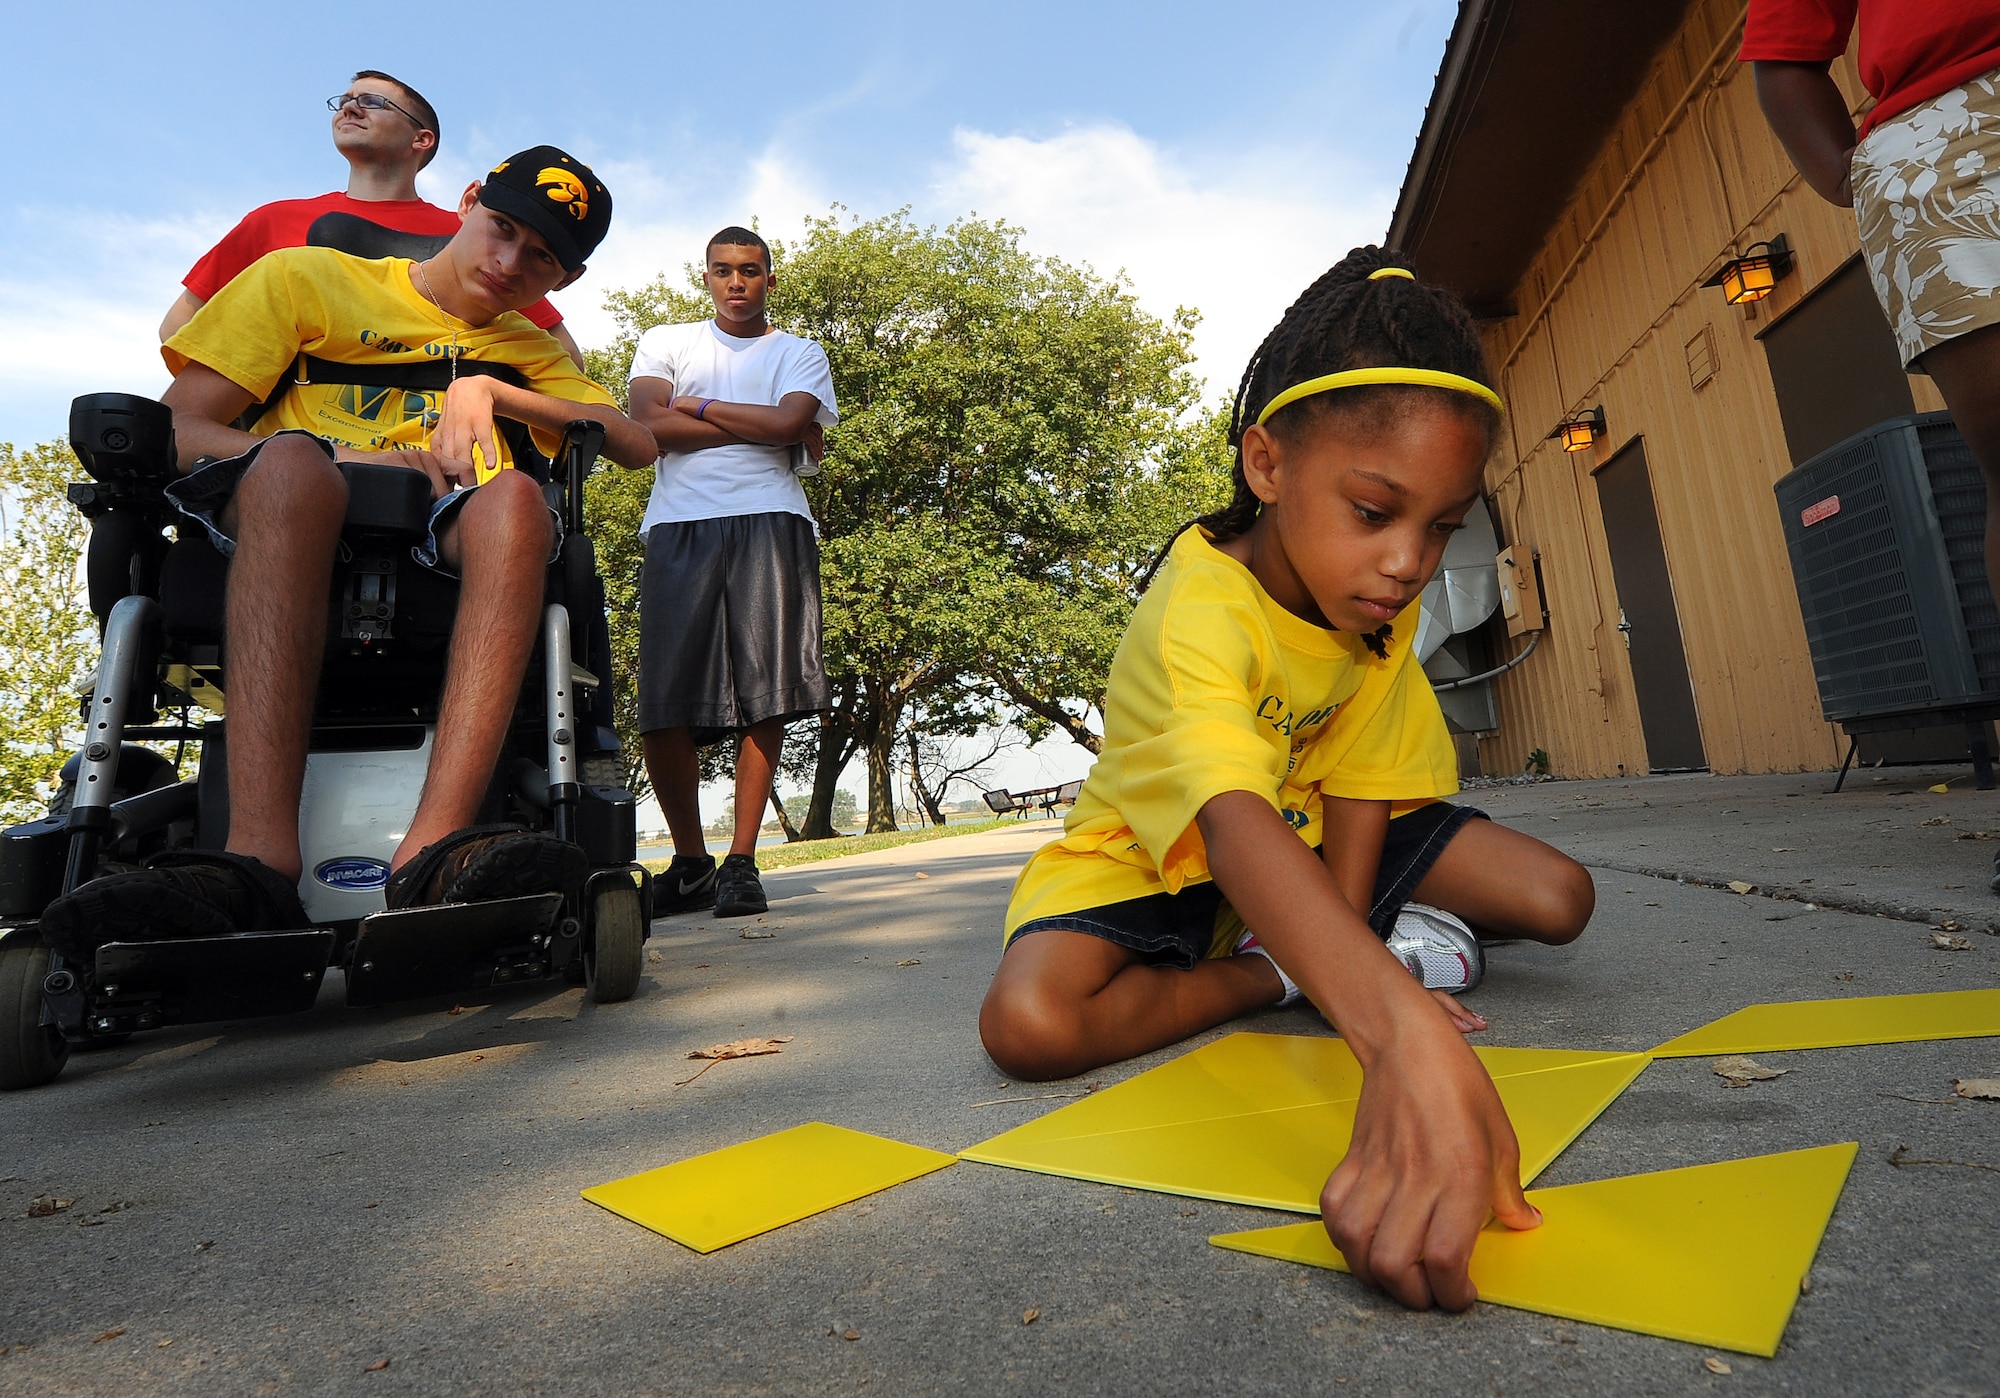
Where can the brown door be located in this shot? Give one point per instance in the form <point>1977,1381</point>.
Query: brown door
<point>1834,364</point>
<point>1647,616</point>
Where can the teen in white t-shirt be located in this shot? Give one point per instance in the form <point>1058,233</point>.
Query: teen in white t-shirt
<point>703,361</point>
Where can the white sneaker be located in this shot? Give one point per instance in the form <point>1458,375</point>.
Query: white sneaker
<point>1248,943</point>
<point>1439,949</point>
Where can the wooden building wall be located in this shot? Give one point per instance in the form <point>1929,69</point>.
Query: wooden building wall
<point>1604,316</point>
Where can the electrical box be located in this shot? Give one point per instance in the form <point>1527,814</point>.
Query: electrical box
<point>1520,589</point>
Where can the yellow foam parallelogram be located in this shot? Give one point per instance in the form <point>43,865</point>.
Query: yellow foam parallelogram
<point>1262,1119</point>
<point>1863,1019</point>
<point>1711,1254</point>
<point>740,1191</point>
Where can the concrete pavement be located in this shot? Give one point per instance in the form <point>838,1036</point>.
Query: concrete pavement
<point>302,1199</point>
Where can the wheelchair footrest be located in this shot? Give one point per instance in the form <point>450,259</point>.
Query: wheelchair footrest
<point>417,952</point>
<point>141,985</point>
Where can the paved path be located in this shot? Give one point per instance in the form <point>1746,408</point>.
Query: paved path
<point>306,1198</point>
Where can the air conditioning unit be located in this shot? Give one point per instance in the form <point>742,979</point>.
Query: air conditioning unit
<point>1887,539</point>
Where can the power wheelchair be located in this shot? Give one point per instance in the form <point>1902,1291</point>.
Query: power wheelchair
<point>159,605</point>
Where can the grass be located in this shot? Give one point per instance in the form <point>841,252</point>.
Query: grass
<point>812,851</point>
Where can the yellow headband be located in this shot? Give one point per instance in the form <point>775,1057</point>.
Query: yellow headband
<point>1355,378</point>
<point>1381,272</point>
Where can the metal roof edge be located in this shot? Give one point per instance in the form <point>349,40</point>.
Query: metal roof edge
<point>1465,36</point>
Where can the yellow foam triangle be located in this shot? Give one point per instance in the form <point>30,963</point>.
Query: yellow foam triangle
<point>1863,1019</point>
<point>1279,1158</point>
<point>1237,1075</point>
<point>737,1192</point>
<point>1711,1254</point>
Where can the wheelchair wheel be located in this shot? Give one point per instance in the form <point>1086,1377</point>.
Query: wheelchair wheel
<point>31,1053</point>
<point>616,951</point>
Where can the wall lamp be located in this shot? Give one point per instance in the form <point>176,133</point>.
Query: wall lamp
<point>1752,276</point>
<point>1578,433</point>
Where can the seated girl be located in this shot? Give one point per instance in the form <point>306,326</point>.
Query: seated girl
<point>1264,703</point>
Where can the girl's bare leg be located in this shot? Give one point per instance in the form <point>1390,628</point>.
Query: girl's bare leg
<point>1544,895</point>
<point>1063,1003</point>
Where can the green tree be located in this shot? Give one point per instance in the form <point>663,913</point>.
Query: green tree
<point>1015,443</point>
<point>48,640</point>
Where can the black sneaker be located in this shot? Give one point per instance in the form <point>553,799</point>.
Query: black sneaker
<point>688,884</point>
<point>738,890</point>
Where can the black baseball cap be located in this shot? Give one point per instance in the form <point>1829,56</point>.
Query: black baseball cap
<point>555,194</point>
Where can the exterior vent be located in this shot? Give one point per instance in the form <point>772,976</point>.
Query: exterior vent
<point>1701,357</point>
<point>1886,532</point>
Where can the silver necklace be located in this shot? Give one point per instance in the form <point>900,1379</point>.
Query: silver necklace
<point>452,353</point>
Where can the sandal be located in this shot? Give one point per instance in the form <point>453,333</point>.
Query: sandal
<point>483,862</point>
<point>179,894</point>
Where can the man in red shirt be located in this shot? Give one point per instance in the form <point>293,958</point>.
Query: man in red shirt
<point>387,132</point>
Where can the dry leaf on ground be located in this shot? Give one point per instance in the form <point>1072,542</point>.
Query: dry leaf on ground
<point>1941,788</point>
<point>850,1334</point>
<point>1944,941</point>
<point>47,1205</point>
<point>1716,1366</point>
<point>377,1367</point>
<point>909,961</point>
<point>1783,849</point>
<point>1936,820</point>
<point>922,875</point>
<point>747,935</point>
<point>1030,1316</point>
<point>1978,1089</point>
<point>1738,886</point>
<point>1738,1071</point>
<point>743,1048</point>
<point>113,1333</point>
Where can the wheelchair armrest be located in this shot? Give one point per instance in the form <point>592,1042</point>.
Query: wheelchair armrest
<point>386,499</point>
<point>583,439</point>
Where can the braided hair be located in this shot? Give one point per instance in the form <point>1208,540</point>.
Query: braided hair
<point>1345,320</point>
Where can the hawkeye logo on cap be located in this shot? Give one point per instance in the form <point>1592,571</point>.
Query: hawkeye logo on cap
<point>562,187</point>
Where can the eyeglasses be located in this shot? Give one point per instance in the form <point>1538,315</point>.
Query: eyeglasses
<point>371,102</point>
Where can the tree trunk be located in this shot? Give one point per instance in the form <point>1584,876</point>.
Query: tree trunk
<point>882,777</point>
<point>792,835</point>
<point>836,746</point>
<point>929,800</point>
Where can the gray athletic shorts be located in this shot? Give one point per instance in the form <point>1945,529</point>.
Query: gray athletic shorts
<point>729,625</point>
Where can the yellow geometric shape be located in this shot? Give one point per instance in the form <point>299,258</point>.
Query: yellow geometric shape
<point>1863,1019</point>
<point>740,1191</point>
<point>1262,1119</point>
<point>1711,1254</point>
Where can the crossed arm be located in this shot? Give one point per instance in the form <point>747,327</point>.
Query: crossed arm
<point>676,428</point>
<point>205,402</point>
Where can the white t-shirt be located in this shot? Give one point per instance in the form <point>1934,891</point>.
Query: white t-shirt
<point>740,479</point>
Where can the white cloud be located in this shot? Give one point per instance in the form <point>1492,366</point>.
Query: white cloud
<point>1239,244</point>
<point>88,320</point>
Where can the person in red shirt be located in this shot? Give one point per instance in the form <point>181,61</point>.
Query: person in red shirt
<point>1922,175</point>
<point>387,132</point>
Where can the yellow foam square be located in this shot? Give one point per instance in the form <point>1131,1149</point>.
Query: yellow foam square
<point>1861,1019</point>
<point>737,1192</point>
<point>1711,1254</point>
<point>1262,1119</point>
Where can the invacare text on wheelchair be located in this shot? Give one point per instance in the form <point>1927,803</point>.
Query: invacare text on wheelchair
<point>159,604</point>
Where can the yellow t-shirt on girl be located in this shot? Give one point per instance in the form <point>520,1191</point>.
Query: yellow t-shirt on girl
<point>1217,688</point>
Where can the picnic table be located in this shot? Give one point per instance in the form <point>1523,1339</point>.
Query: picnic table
<point>1019,803</point>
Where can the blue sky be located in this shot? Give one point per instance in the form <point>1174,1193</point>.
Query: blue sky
<point>1220,157</point>
<point>1219,162</point>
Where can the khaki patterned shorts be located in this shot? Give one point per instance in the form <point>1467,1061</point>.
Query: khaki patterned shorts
<point>1927,199</point>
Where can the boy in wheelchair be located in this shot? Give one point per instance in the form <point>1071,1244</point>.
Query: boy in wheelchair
<point>340,368</point>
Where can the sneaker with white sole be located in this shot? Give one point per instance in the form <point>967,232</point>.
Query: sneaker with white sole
<point>1247,944</point>
<point>686,885</point>
<point>1440,950</point>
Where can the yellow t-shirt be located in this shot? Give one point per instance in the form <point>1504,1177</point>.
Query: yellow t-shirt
<point>359,311</point>
<point>1217,688</point>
